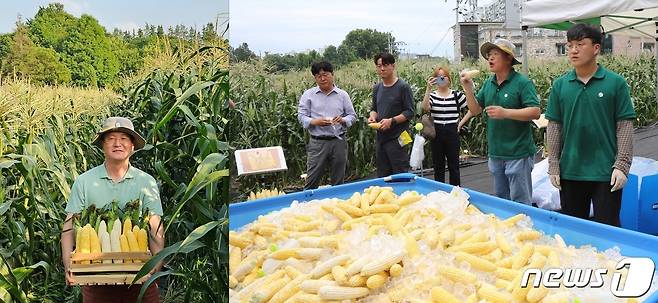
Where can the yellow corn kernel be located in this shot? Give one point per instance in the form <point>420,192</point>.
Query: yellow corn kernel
<point>339,213</point>
<point>457,275</point>
<point>235,256</point>
<point>478,237</point>
<point>267,230</point>
<point>339,274</point>
<point>408,199</point>
<point>386,197</point>
<point>463,226</point>
<point>313,286</point>
<point>265,294</point>
<point>523,256</point>
<point>472,299</point>
<point>356,266</point>
<point>505,262</point>
<point>260,242</point>
<point>440,295</point>
<point>490,294</point>
<point>502,283</point>
<point>512,220</point>
<point>475,261</point>
<point>377,281</point>
<point>472,209</point>
<point>463,237</point>
<point>325,267</point>
<point>417,234</point>
<point>506,273</point>
<point>302,217</point>
<point>342,292</point>
<point>504,246</point>
<point>351,210</point>
<point>142,240</point>
<point>395,270</point>
<point>431,237</point>
<point>125,247</point>
<point>232,282</point>
<point>239,241</point>
<point>536,294</point>
<point>309,226</point>
<point>357,281</point>
<point>479,248</point>
<point>307,298</point>
<point>381,264</point>
<point>528,235</point>
<point>384,208</point>
<point>447,236</point>
<point>331,226</point>
<point>127,226</point>
<point>537,260</point>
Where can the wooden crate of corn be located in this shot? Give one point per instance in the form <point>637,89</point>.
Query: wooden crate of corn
<point>110,253</point>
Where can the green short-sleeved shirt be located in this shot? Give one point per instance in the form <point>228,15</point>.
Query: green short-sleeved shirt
<point>589,114</point>
<point>96,187</point>
<point>509,139</point>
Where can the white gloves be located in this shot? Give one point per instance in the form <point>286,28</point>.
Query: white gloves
<point>618,180</point>
<point>555,180</point>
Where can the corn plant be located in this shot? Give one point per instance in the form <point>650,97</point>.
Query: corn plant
<point>266,109</point>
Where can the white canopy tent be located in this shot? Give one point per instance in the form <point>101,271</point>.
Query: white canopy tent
<point>630,17</point>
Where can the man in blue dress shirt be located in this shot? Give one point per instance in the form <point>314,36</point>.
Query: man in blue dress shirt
<point>326,111</point>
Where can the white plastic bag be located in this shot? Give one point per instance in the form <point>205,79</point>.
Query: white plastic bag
<point>417,152</point>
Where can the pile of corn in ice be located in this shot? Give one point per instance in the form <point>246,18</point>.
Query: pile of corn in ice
<point>380,247</point>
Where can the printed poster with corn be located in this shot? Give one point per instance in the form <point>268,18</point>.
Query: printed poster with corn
<point>111,244</point>
<point>260,160</point>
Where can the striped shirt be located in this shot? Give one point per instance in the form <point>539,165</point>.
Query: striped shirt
<point>445,110</point>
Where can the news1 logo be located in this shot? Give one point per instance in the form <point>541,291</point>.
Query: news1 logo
<point>638,278</point>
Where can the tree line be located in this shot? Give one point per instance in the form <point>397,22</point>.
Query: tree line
<point>358,44</point>
<point>55,47</point>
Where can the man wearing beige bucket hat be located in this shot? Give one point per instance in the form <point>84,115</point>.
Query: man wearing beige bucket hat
<point>510,102</point>
<point>115,179</point>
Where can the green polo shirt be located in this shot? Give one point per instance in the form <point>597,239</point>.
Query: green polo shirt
<point>96,187</point>
<point>589,114</point>
<point>509,139</point>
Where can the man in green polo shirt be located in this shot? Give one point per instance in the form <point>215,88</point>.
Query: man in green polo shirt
<point>115,179</point>
<point>590,131</point>
<point>510,102</point>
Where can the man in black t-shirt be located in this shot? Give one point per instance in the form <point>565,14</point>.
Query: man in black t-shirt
<point>392,107</point>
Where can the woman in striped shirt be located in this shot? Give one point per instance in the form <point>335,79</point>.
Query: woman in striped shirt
<point>445,105</point>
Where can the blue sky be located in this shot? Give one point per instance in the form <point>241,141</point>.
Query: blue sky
<point>123,14</point>
<point>297,25</point>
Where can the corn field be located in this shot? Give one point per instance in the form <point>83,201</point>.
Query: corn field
<point>45,143</point>
<point>266,109</point>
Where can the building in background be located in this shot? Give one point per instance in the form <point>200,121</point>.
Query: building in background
<point>479,24</point>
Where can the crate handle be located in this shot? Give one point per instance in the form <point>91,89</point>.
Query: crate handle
<point>655,206</point>
<point>405,177</point>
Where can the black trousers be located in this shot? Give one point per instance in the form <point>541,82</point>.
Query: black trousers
<point>446,146</point>
<point>391,158</point>
<point>575,198</point>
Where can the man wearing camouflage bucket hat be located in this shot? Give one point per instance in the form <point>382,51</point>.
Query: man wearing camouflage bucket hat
<point>510,102</point>
<point>115,179</point>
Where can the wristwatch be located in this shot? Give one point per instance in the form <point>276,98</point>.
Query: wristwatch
<point>393,122</point>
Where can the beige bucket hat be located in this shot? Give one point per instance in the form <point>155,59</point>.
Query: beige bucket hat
<point>501,44</point>
<point>119,124</point>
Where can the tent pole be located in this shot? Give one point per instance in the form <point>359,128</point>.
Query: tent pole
<point>525,49</point>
